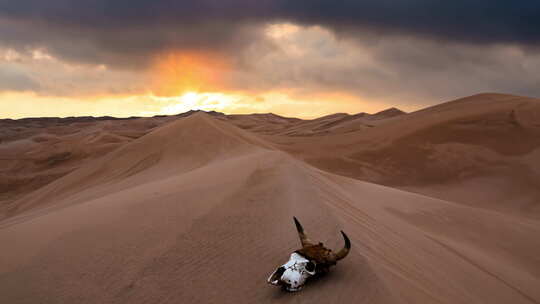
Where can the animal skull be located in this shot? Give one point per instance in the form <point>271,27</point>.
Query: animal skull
<point>310,260</point>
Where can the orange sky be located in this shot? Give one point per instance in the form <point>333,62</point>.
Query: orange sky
<point>158,58</point>
<point>21,105</point>
<point>175,82</point>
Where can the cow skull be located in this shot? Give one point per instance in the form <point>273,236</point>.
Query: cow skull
<point>312,259</point>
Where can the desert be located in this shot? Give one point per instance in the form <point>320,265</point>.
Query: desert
<point>441,205</point>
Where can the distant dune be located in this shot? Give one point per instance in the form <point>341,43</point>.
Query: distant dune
<point>441,205</point>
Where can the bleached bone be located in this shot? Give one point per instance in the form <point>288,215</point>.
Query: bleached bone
<point>310,260</point>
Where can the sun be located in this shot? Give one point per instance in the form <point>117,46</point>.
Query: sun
<point>190,98</point>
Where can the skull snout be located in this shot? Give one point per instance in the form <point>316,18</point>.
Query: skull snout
<point>293,279</point>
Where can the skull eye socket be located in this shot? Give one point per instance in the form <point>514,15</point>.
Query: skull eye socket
<point>280,271</point>
<point>276,275</point>
<point>310,266</point>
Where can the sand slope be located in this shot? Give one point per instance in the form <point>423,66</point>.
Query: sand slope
<point>179,146</point>
<point>200,211</point>
<point>483,150</point>
<point>35,152</point>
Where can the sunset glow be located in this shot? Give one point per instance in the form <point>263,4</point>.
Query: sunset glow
<point>176,73</point>
<point>287,68</point>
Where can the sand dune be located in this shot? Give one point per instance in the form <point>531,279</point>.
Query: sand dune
<point>482,150</point>
<point>338,123</point>
<point>179,146</point>
<point>197,210</point>
<point>35,152</point>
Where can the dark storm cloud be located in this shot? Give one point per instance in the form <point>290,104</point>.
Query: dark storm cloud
<point>496,21</point>
<point>126,32</point>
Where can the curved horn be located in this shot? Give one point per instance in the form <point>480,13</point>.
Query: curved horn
<point>303,237</point>
<point>345,251</point>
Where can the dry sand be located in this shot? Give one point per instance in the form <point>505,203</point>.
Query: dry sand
<point>198,208</point>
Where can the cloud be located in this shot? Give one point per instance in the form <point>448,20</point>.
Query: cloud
<point>406,51</point>
<point>43,74</point>
<point>12,78</point>
<point>125,32</point>
<point>115,35</point>
<point>402,70</point>
<point>476,22</point>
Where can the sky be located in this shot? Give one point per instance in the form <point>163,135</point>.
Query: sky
<point>302,58</point>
